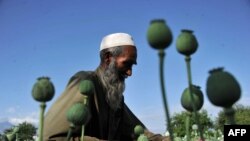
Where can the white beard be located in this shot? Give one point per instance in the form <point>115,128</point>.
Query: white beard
<point>113,85</point>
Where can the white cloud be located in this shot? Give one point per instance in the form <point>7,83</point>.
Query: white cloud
<point>31,118</point>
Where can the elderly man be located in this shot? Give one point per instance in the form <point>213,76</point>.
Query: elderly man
<point>110,118</point>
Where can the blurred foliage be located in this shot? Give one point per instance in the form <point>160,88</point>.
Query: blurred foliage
<point>178,122</point>
<point>242,114</point>
<point>2,137</point>
<point>26,132</point>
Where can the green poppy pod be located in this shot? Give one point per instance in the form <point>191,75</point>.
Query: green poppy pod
<point>86,87</point>
<point>43,90</point>
<point>159,35</point>
<point>138,130</point>
<point>186,43</point>
<point>187,102</point>
<point>77,114</point>
<point>222,88</point>
<point>142,137</point>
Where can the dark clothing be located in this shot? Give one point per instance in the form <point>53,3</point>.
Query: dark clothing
<point>104,123</point>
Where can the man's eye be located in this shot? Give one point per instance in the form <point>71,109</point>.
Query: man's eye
<point>128,64</point>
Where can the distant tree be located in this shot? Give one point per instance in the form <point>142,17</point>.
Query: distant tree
<point>178,122</point>
<point>242,114</point>
<point>9,130</point>
<point>26,131</point>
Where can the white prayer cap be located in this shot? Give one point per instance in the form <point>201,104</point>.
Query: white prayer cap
<point>116,39</point>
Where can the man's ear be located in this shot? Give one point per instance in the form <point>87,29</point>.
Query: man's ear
<point>107,58</point>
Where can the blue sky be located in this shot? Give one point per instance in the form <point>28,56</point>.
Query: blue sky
<point>58,38</point>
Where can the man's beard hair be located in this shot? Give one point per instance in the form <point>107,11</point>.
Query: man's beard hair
<point>113,85</point>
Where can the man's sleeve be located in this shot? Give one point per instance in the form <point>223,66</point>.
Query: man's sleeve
<point>55,122</point>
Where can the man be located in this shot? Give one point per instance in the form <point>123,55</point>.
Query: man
<point>110,118</point>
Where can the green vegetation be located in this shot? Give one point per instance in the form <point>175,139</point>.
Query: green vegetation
<point>213,130</point>
<point>242,114</point>
<point>26,132</point>
<point>179,119</point>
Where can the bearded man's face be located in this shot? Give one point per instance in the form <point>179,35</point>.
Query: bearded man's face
<point>114,75</point>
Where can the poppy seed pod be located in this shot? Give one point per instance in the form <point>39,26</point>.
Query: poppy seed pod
<point>222,88</point>
<point>77,114</point>
<point>86,87</point>
<point>187,102</point>
<point>186,43</point>
<point>142,137</point>
<point>159,35</point>
<point>43,90</point>
<point>138,130</point>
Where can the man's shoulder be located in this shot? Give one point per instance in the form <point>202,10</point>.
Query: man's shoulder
<point>81,75</point>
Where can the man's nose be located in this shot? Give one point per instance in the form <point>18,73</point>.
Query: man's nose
<point>129,72</point>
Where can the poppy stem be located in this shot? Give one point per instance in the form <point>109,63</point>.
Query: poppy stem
<point>42,109</point>
<point>164,97</point>
<point>71,127</point>
<point>187,126</point>
<point>188,60</point>
<point>229,112</point>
